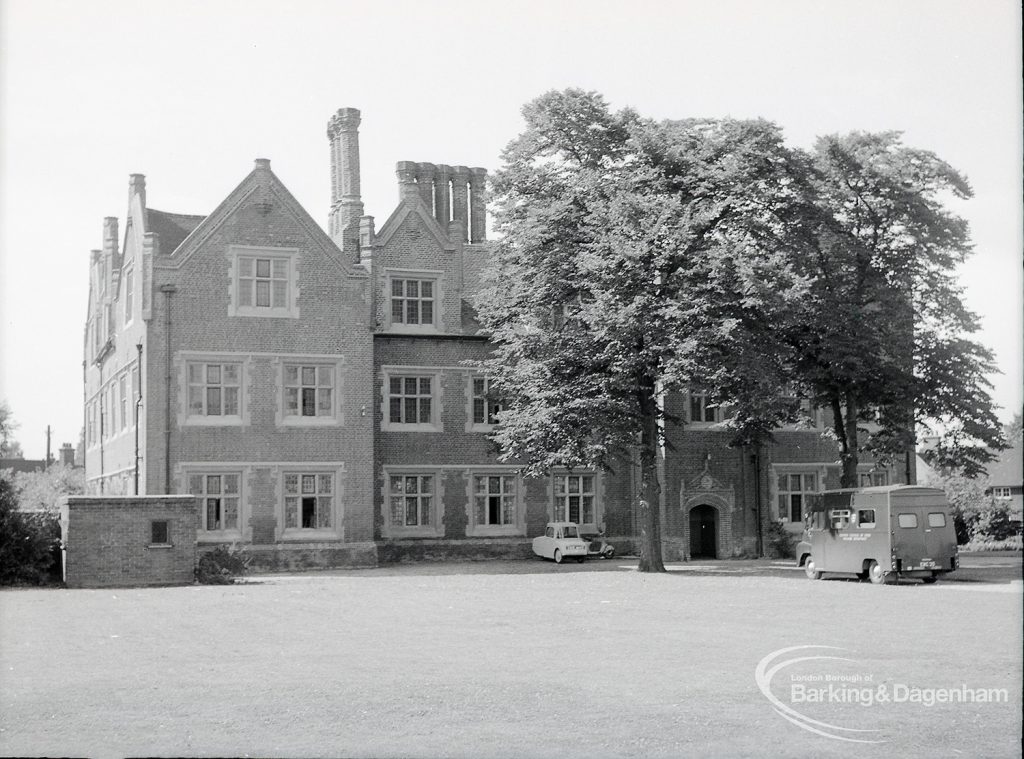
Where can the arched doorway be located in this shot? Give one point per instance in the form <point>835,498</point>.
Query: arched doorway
<point>703,532</point>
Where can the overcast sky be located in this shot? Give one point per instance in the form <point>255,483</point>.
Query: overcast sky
<point>189,93</point>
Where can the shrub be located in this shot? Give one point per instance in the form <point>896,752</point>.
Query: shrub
<point>29,542</point>
<point>1014,543</point>
<point>779,542</point>
<point>993,522</point>
<point>222,565</point>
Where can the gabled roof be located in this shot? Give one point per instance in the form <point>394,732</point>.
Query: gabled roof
<point>261,182</point>
<point>171,227</point>
<point>1008,469</point>
<point>407,206</point>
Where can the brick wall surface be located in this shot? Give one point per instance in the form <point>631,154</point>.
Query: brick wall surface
<point>107,541</point>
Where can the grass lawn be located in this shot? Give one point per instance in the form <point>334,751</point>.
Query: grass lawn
<point>534,661</point>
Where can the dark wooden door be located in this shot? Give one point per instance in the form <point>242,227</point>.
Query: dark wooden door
<point>703,529</point>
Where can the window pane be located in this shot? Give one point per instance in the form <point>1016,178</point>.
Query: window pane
<point>478,411</point>
<point>426,484</point>
<point>212,513</point>
<point>231,401</point>
<point>410,386</point>
<point>397,311</point>
<point>395,385</point>
<point>245,292</point>
<point>410,411</point>
<point>424,411</point>
<point>308,483</point>
<point>291,483</point>
<point>213,401</point>
<point>195,374</point>
<point>325,484</point>
<point>395,410</point>
<point>412,288</point>
<point>291,375</point>
<point>396,484</point>
<point>308,375</point>
<point>323,511</point>
<point>230,374</point>
<point>213,374</point>
<point>230,483</point>
<point>411,484</point>
<point>280,268</point>
<point>280,293</point>
<point>263,267</point>
<point>245,267</point>
<point>907,520</point>
<point>291,400</point>
<point>195,484</point>
<point>230,513</point>
<point>810,482</point>
<point>213,484</point>
<point>291,512</point>
<point>397,510</point>
<point>936,519</point>
<point>262,293</point>
<point>396,287</point>
<point>796,504</point>
<point>427,289</point>
<point>424,385</point>
<point>195,399</point>
<point>324,403</point>
<point>308,401</point>
<point>478,386</point>
<point>412,312</point>
<point>427,311</point>
<point>325,376</point>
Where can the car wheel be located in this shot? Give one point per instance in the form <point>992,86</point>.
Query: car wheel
<point>811,569</point>
<point>558,556</point>
<point>580,560</point>
<point>609,552</point>
<point>929,580</point>
<point>875,574</point>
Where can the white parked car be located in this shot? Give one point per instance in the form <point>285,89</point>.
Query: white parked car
<point>561,541</point>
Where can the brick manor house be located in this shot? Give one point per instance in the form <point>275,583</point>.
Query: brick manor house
<point>310,387</point>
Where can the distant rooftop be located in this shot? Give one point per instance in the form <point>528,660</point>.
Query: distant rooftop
<point>172,227</point>
<point>1008,469</point>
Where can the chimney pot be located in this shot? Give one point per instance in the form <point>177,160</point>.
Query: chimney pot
<point>263,163</point>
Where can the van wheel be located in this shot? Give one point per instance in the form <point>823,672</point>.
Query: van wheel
<point>810,569</point>
<point>558,556</point>
<point>929,580</point>
<point>875,573</point>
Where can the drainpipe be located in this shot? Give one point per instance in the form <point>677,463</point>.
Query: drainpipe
<point>85,422</point>
<point>102,431</point>
<point>138,405</point>
<point>168,291</point>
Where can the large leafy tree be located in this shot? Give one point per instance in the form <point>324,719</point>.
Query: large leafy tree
<point>9,447</point>
<point>883,339</point>
<point>637,258</point>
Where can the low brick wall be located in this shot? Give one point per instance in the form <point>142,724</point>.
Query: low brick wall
<point>392,551</point>
<point>130,541</point>
<point>293,557</point>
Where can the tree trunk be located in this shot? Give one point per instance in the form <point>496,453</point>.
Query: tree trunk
<point>650,492</point>
<point>851,446</point>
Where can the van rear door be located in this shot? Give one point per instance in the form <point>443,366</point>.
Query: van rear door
<point>908,538</point>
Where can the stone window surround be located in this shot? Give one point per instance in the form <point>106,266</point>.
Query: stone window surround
<point>242,419</point>
<point>434,530</point>
<point>436,374</point>
<point>518,526</point>
<point>471,425</point>
<point>434,275</point>
<point>598,494</point>
<point>291,255</point>
<point>187,469</point>
<point>290,534</point>
<point>336,419</point>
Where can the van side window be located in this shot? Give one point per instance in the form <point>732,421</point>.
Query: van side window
<point>907,520</point>
<point>550,532</point>
<point>936,519</point>
<point>839,518</point>
<point>866,518</point>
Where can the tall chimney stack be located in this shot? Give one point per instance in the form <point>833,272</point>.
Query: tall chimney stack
<point>346,201</point>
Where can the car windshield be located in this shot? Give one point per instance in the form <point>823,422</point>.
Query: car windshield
<point>571,532</point>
